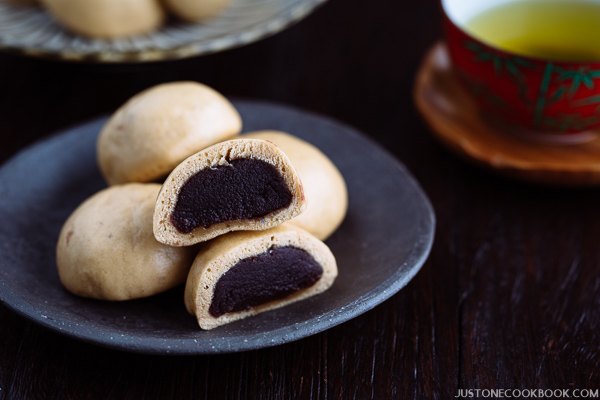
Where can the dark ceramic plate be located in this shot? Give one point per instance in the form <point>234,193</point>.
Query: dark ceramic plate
<point>381,245</point>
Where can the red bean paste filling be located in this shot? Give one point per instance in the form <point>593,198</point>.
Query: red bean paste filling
<point>244,189</point>
<point>269,276</point>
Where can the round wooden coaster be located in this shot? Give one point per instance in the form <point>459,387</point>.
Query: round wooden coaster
<point>455,119</point>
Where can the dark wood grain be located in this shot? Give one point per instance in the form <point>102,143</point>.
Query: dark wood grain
<point>510,296</point>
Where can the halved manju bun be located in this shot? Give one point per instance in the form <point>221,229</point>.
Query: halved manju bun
<point>246,273</point>
<point>240,184</point>
<point>324,186</point>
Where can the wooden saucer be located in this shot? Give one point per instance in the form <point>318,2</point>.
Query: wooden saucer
<point>455,120</point>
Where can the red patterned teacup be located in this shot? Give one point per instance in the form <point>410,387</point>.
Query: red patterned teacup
<point>554,99</point>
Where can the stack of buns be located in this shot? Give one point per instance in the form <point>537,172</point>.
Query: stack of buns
<point>239,218</point>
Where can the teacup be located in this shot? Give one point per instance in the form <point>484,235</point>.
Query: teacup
<point>553,99</point>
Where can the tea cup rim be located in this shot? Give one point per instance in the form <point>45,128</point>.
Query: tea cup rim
<point>460,25</point>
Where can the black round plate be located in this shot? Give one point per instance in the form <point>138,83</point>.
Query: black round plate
<point>381,245</point>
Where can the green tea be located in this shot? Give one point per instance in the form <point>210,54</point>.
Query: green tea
<point>550,29</point>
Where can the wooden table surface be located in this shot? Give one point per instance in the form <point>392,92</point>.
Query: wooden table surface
<point>509,298</point>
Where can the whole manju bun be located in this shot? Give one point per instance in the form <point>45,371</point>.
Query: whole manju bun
<point>162,126</point>
<point>107,18</point>
<point>106,249</point>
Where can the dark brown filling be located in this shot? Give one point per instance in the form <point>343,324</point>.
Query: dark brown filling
<point>244,189</point>
<point>269,276</point>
